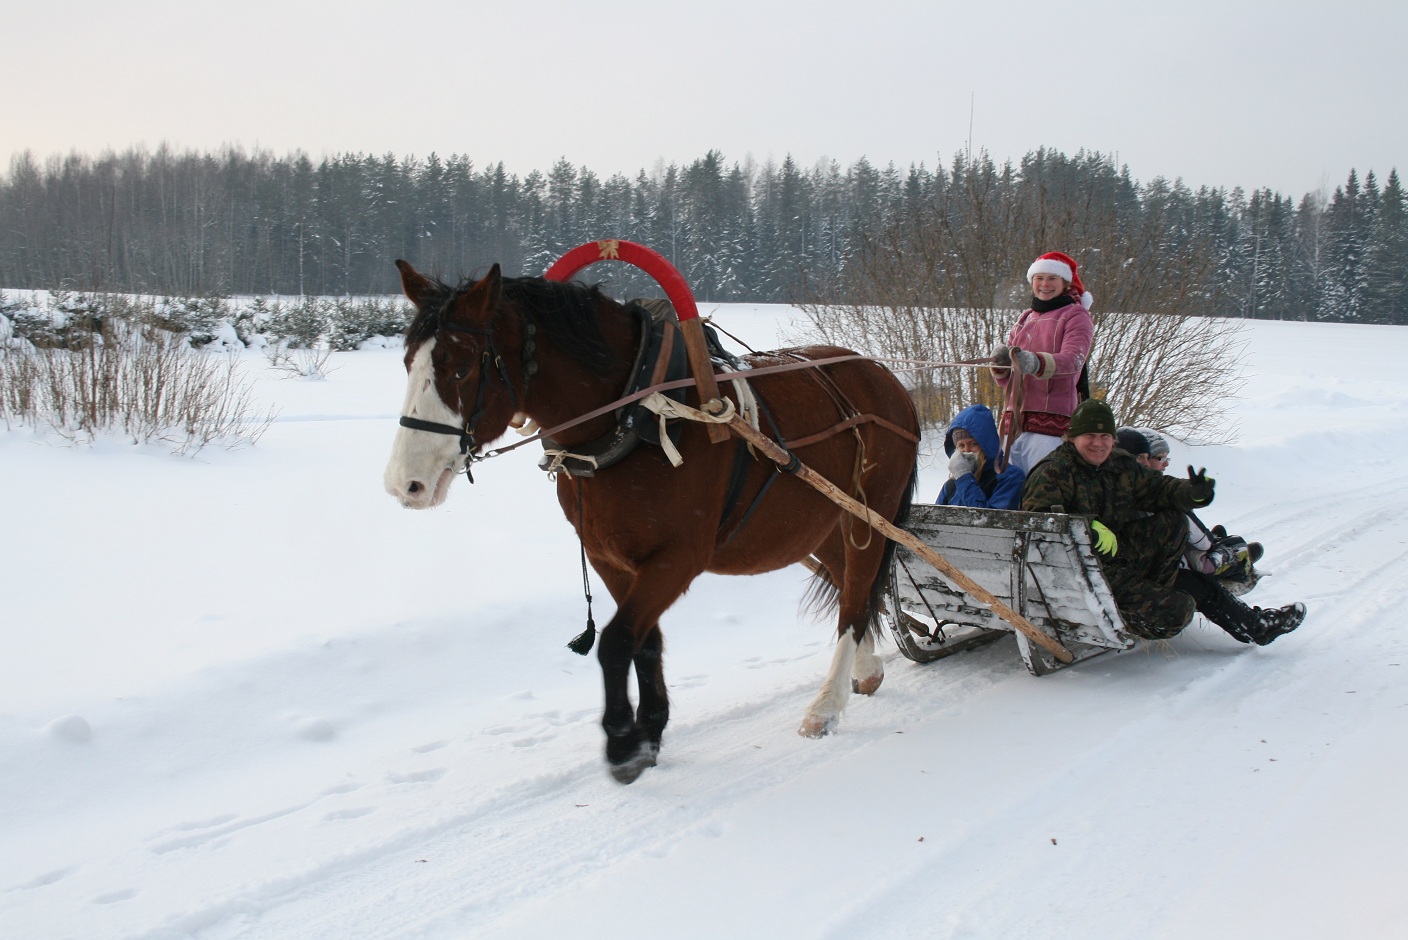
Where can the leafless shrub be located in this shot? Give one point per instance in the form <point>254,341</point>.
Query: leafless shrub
<point>1177,374</point>
<point>910,336</point>
<point>299,361</point>
<point>944,282</point>
<point>133,379</point>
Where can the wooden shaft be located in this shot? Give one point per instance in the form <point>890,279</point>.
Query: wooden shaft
<point>908,539</point>
<point>709,400</point>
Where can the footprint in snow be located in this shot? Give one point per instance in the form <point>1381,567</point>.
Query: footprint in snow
<point>419,776</point>
<point>48,878</point>
<point>340,789</point>
<point>532,740</point>
<point>314,729</point>
<point>70,728</point>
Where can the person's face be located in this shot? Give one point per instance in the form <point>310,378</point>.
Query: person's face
<point>1153,463</point>
<point>1093,448</point>
<point>968,446</point>
<point>1047,286</point>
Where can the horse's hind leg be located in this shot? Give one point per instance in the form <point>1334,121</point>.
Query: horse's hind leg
<point>825,710</point>
<point>869,669</point>
<point>854,666</point>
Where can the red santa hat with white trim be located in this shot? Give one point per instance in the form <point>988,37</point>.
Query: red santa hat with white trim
<point>1064,267</point>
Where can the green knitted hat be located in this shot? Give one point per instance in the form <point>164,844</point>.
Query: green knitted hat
<point>1092,417</point>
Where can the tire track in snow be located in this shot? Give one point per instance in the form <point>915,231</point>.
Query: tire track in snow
<point>464,884</point>
<point>472,877</point>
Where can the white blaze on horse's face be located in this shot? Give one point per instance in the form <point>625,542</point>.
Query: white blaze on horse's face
<point>423,463</point>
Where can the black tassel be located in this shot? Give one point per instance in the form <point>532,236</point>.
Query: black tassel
<point>582,643</point>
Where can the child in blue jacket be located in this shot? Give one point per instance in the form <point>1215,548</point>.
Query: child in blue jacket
<point>972,445</point>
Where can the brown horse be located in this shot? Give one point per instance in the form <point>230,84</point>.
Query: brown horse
<point>498,349</point>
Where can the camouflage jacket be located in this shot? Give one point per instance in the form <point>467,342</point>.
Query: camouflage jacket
<point>1117,492</point>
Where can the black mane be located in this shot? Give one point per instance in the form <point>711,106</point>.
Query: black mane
<point>567,312</point>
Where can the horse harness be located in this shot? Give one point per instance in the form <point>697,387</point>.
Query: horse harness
<point>851,420</point>
<point>661,360</point>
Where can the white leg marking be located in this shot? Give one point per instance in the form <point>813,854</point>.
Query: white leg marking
<point>869,670</point>
<point>825,710</point>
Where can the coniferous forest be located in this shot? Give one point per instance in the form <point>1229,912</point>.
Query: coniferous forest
<point>214,224</point>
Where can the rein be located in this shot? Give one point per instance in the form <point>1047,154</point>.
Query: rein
<point>646,392</point>
<point>468,444</point>
<point>1016,402</point>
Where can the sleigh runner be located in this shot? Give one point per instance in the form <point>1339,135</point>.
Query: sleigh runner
<point>1041,565</point>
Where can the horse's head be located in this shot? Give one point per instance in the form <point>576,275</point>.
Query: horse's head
<point>461,389</point>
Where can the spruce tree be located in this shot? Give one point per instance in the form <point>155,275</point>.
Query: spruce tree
<point>1386,257</point>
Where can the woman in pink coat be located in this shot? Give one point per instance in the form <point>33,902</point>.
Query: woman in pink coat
<point>1048,348</point>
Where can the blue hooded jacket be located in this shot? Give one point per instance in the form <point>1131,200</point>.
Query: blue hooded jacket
<point>992,490</point>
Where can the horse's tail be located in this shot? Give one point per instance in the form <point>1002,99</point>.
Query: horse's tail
<point>882,577</point>
<point>822,597</point>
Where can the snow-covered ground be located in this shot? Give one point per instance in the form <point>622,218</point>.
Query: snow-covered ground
<point>246,695</point>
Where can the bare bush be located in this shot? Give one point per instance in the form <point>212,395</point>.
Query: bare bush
<point>1177,374</point>
<point>133,379</point>
<point>944,281</point>
<point>910,336</point>
<point>299,361</point>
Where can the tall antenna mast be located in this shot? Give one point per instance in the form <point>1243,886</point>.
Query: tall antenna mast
<point>968,151</point>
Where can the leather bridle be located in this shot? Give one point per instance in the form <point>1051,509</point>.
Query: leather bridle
<point>469,445</point>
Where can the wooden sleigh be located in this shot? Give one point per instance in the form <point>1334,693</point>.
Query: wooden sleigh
<point>1041,565</point>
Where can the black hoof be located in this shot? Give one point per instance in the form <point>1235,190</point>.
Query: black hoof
<point>628,770</point>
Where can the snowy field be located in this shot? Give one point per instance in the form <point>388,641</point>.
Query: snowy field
<point>245,695</point>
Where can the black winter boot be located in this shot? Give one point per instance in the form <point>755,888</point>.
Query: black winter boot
<point>1273,623</point>
<point>1217,604</point>
<point>1242,623</point>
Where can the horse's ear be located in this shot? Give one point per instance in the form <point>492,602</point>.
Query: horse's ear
<point>416,286</point>
<point>483,298</point>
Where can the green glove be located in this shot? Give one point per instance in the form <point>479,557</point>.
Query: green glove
<point>1105,541</point>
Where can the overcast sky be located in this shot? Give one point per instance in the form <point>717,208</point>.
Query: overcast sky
<point>1287,94</point>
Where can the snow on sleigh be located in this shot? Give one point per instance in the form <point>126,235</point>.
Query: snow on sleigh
<point>1042,566</point>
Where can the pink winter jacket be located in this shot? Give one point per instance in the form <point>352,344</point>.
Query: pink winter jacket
<point>1061,339</point>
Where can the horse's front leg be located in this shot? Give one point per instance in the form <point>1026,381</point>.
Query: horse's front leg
<point>626,753</point>
<point>653,705</point>
<point>652,709</point>
<point>633,637</point>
